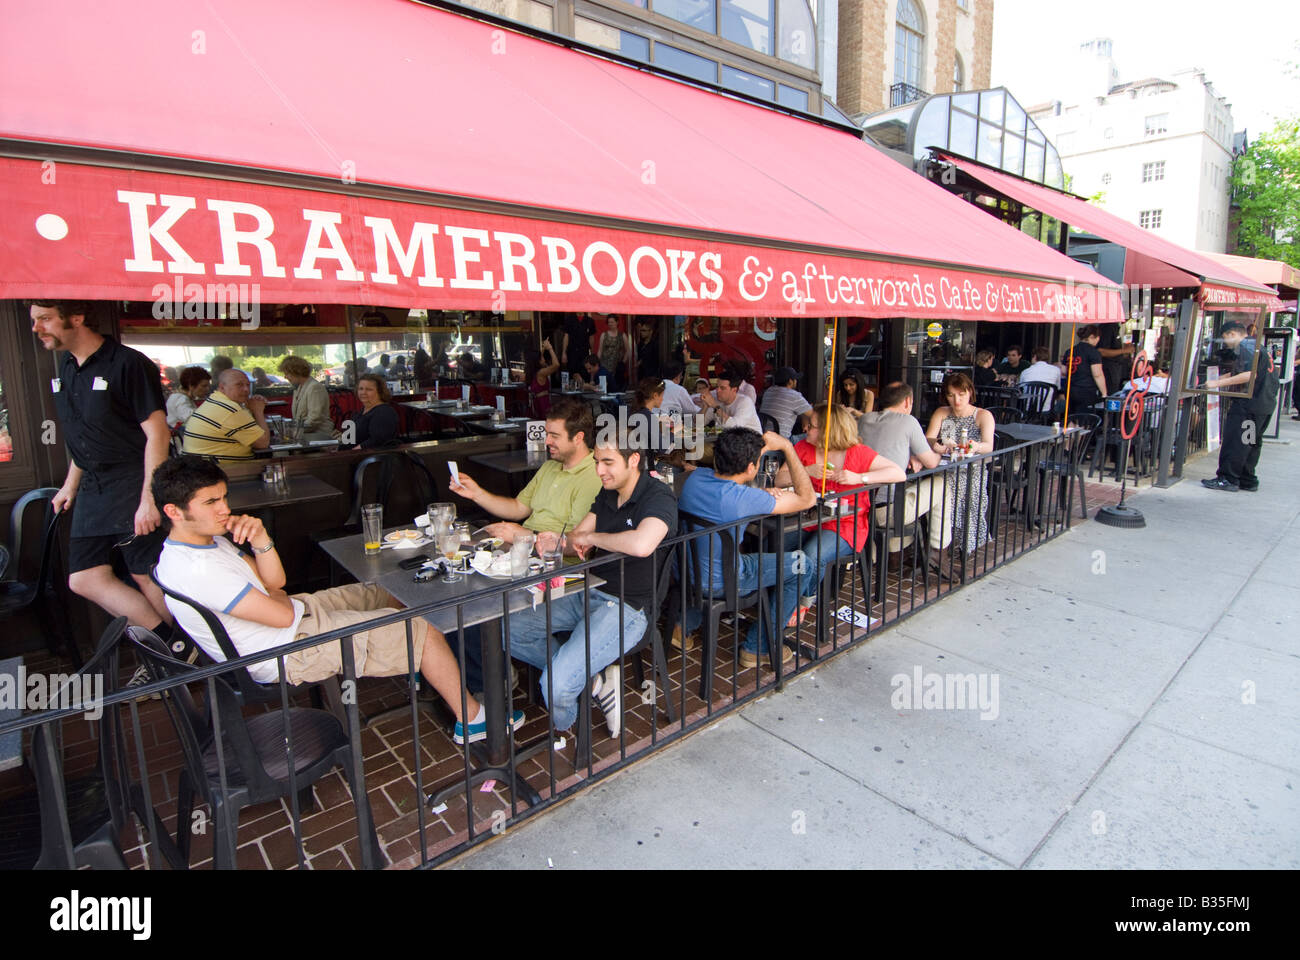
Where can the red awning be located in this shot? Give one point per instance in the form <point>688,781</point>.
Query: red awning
<point>511,172</point>
<point>1155,255</point>
<point>1272,273</point>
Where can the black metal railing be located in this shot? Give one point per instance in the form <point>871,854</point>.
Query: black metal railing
<point>919,540</point>
<point>901,93</point>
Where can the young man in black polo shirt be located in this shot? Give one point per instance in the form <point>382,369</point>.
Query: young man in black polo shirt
<point>110,404</point>
<point>632,514</point>
<point>1248,417</point>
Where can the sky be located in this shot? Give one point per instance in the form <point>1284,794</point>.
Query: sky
<point>1243,46</point>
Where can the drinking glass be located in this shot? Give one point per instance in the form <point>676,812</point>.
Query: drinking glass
<point>553,557</point>
<point>462,528</point>
<point>449,544</point>
<point>441,516</point>
<point>372,527</point>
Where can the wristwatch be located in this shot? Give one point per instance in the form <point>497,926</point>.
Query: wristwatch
<point>270,545</point>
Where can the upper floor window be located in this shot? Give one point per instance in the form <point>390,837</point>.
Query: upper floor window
<point>909,43</point>
<point>700,14</point>
<point>1150,219</point>
<point>1156,124</point>
<point>1153,171</point>
<point>746,22</point>
<point>958,75</point>
<point>963,5</point>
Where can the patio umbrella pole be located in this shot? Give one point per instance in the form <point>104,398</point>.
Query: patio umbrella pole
<point>830,399</point>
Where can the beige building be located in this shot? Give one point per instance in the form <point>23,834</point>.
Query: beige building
<point>891,52</point>
<point>1155,151</point>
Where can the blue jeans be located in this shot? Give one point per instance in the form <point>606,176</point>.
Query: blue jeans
<point>833,547</point>
<point>800,576</point>
<point>562,666</point>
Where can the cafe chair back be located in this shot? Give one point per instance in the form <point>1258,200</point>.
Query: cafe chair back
<point>1006,414</point>
<point>1037,401</point>
<point>651,640</point>
<point>699,593</point>
<point>233,761</point>
<point>19,590</point>
<point>80,821</point>
<point>1067,465</point>
<point>1008,478</point>
<point>768,423</point>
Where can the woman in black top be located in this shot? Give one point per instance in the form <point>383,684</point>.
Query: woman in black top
<point>985,375</point>
<point>377,425</point>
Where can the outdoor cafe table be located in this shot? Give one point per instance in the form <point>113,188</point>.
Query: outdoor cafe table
<point>254,496</point>
<point>383,570</point>
<point>513,463</point>
<point>519,425</point>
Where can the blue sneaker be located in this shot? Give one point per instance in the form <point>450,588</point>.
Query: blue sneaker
<point>478,731</point>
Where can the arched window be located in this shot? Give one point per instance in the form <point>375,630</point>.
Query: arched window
<point>958,75</point>
<point>909,43</point>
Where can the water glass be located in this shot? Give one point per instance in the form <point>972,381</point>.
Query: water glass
<point>462,528</point>
<point>441,516</point>
<point>520,551</point>
<point>449,544</point>
<point>553,557</point>
<point>372,527</point>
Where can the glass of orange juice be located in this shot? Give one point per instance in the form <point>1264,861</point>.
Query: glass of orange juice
<point>372,527</point>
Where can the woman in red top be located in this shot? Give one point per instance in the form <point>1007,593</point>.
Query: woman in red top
<point>846,465</point>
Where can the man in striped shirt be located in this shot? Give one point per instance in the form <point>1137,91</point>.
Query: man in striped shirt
<point>230,424</point>
<point>782,401</point>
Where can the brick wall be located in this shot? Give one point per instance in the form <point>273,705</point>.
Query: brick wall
<point>982,68</point>
<point>945,46</point>
<point>862,47</point>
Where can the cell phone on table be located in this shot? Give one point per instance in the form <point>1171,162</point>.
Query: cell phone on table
<point>410,563</point>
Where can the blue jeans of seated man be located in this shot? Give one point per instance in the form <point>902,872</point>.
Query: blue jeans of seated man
<point>799,579</point>
<point>833,547</point>
<point>568,675</point>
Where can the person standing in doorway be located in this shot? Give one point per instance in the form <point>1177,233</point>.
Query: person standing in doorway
<point>109,401</point>
<point>1248,417</point>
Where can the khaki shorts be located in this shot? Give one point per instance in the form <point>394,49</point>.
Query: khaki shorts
<point>380,652</point>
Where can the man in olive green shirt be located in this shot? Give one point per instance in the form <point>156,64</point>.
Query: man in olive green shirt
<point>560,494</point>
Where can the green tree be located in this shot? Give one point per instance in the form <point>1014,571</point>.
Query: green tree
<point>1266,187</point>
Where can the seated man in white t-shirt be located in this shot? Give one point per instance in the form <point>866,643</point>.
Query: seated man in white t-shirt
<point>247,595</point>
<point>731,408</point>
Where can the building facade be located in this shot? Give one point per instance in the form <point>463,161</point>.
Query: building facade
<point>1157,152</point>
<point>892,52</point>
<point>767,49</point>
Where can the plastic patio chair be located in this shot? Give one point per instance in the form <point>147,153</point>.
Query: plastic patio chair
<point>264,757</point>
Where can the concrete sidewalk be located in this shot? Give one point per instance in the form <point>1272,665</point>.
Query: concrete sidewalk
<point>1146,717</point>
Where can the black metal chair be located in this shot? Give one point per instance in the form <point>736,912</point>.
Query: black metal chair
<point>995,396</point>
<point>651,640</point>
<point>233,761</point>
<point>1037,401</point>
<point>373,473</point>
<point>701,595</point>
<point>1069,469</point>
<point>1008,478</point>
<point>39,594</point>
<point>1006,414</point>
<point>79,821</point>
<point>768,422</point>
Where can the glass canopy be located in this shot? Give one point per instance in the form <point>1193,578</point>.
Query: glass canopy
<point>984,125</point>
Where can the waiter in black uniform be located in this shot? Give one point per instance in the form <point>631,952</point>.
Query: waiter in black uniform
<point>1248,417</point>
<point>110,404</point>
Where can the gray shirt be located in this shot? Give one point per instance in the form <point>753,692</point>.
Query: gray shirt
<point>785,405</point>
<point>895,436</point>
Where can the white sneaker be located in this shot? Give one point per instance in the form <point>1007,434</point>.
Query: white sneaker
<point>607,690</point>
